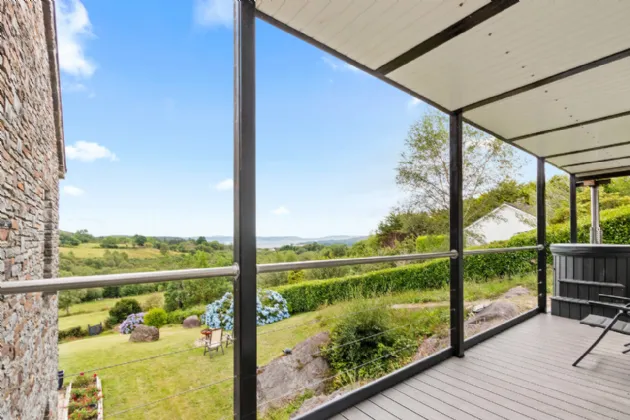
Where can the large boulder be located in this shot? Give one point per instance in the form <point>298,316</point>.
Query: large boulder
<point>498,310</point>
<point>286,377</point>
<point>516,291</point>
<point>144,334</point>
<point>192,322</point>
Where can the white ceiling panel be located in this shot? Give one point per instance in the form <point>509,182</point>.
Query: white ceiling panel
<point>604,133</point>
<point>598,166</point>
<point>596,93</point>
<point>372,32</point>
<point>527,42</point>
<point>609,153</point>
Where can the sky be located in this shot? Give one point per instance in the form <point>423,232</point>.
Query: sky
<point>148,110</point>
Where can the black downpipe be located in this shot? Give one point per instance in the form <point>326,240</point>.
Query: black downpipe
<point>245,210</point>
<point>541,227</point>
<point>573,209</point>
<point>457,233</point>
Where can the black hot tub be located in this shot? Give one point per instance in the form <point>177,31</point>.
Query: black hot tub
<point>581,272</point>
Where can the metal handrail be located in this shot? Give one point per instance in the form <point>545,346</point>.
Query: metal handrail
<point>307,265</point>
<point>503,250</point>
<point>68,283</point>
<point>86,282</point>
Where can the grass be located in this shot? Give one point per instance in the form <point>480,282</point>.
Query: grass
<point>93,250</point>
<point>131,385</point>
<point>91,313</point>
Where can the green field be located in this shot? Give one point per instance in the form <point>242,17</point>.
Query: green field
<point>91,313</point>
<point>93,250</point>
<point>131,385</point>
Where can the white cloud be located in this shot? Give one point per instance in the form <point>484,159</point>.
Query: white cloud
<point>85,151</point>
<point>413,102</point>
<point>73,28</point>
<point>280,211</point>
<point>338,65</point>
<point>214,13</point>
<point>71,190</point>
<point>225,185</point>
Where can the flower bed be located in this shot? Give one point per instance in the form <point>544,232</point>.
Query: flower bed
<point>132,321</point>
<point>85,399</point>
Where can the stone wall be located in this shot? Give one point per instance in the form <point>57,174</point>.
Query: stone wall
<point>29,175</point>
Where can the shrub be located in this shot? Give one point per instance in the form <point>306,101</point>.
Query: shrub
<point>178,316</point>
<point>131,322</point>
<point>432,243</point>
<point>74,332</point>
<point>369,344</point>
<point>154,301</point>
<point>94,294</point>
<point>270,307</point>
<point>156,317</point>
<point>308,296</point>
<point>122,309</point>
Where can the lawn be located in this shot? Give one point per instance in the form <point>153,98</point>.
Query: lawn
<point>141,383</point>
<point>93,250</point>
<point>91,313</point>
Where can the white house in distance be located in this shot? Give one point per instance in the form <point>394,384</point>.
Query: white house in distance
<point>500,224</point>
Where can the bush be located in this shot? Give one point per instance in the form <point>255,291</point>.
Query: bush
<point>368,336</point>
<point>94,294</point>
<point>432,243</point>
<point>154,301</point>
<point>131,322</point>
<point>122,309</point>
<point>178,316</point>
<point>156,317</point>
<point>308,296</point>
<point>270,307</point>
<point>74,332</point>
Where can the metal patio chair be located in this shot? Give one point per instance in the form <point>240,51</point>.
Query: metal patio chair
<point>213,340</point>
<point>608,324</point>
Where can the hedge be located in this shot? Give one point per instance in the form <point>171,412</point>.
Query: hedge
<point>309,295</point>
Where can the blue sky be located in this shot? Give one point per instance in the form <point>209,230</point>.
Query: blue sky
<point>148,111</point>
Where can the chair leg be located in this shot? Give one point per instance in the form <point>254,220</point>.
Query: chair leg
<point>626,351</point>
<point>222,352</point>
<point>598,339</point>
<point>626,345</point>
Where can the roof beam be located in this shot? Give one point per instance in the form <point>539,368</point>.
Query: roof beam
<point>596,161</point>
<point>312,41</point>
<point>551,79</point>
<point>617,172</point>
<point>567,127</point>
<point>477,17</point>
<point>590,149</point>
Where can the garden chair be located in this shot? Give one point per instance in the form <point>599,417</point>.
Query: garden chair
<point>606,323</point>
<point>214,341</point>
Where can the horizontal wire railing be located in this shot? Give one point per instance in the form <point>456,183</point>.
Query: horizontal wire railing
<point>69,283</point>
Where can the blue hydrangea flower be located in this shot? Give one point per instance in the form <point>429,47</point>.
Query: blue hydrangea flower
<point>270,307</point>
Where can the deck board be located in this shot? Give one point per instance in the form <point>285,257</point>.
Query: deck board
<point>523,373</point>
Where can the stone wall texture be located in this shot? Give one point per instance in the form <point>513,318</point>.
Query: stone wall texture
<point>29,176</point>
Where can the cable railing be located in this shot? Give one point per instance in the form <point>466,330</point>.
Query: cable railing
<point>69,283</point>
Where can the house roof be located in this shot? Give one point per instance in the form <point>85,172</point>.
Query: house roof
<point>549,77</point>
<point>525,215</point>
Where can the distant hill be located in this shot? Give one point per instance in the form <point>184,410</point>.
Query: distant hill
<point>278,241</point>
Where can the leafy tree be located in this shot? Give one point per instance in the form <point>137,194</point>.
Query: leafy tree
<point>68,239</point>
<point>67,298</point>
<point>84,236</point>
<point>139,240</point>
<point>122,309</point>
<point>201,240</point>
<point>164,248</point>
<point>109,242</point>
<point>424,166</point>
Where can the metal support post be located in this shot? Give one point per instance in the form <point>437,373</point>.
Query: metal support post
<point>457,233</point>
<point>245,210</point>
<point>596,232</point>
<point>541,228</point>
<point>573,209</point>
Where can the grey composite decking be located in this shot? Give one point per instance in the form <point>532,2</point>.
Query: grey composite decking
<point>522,373</point>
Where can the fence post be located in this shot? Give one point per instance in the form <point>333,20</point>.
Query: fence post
<point>541,227</point>
<point>245,210</point>
<point>457,233</point>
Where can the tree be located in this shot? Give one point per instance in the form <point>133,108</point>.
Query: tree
<point>201,240</point>
<point>164,248</point>
<point>139,240</point>
<point>424,166</point>
<point>109,242</point>
<point>67,298</point>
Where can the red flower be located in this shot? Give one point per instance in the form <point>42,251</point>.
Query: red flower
<point>81,373</point>
<point>95,375</point>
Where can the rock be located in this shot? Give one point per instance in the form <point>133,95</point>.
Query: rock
<point>144,334</point>
<point>286,377</point>
<point>431,345</point>
<point>516,291</point>
<point>498,310</point>
<point>192,322</point>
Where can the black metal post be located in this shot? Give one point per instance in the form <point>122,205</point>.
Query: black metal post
<point>457,233</point>
<point>541,227</point>
<point>573,209</point>
<point>245,210</point>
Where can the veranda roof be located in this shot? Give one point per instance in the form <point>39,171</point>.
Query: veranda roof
<point>551,77</point>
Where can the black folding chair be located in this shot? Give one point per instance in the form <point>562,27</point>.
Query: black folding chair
<point>606,323</point>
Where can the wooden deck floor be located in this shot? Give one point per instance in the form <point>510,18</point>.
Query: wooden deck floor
<point>522,373</point>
